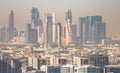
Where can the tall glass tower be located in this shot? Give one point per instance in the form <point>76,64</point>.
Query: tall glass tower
<point>35,20</point>
<point>49,28</point>
<point>36,24</point>
<point>11,25</point>
<point>11,20</point>
<point>69,16</point>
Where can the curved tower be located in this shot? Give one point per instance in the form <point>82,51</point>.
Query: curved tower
<point>69,39</point>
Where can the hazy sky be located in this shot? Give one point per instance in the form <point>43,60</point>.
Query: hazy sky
<point>109,9</point>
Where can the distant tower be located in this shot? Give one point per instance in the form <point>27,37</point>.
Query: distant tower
<point>45,36</point>
<point>11,25</point>
<point>69,16</point>
<point>54,30</point>
<point>69,39</point>
<point>59,28</point>
<point>36,24</point>
<point>74,32</point>
<point>11,20</point>
<point>82,21</point>
<point>48,29</point>
<point>31,35</point>
<point>35,20</point>
<point>67,27</point>
<point>28,33</point>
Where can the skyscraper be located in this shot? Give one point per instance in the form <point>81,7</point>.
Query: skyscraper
<point>92,29</point>
<point>36,24</point>
<point>54,30</point>
<point>68,20</point>
<point>35,18</point>
<point>11,25</point>
<point>98,32</point>
<point>82,21</point>
<point>31,35</point>
<point>69,16</point>
<point>69,38</point>
<point>48,29</point>
<point>59,27</point>
<point>74,31</point>
<point>11,19</point>
<point>28,33</point>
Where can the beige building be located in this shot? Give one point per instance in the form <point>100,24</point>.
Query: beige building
<point>34,62</point>
<point>68,38</point>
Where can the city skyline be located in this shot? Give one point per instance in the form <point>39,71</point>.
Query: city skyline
<point>108,9</point>
<point>56,36</point>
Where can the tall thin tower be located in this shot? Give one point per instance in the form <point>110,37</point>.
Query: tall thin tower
<point>54,30</point>
<point>11,25</point>
<point>11,20</point>
<point>48,30</point>
<point>59,37</point>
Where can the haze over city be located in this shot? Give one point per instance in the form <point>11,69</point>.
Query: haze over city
<point>108,9</point>
<point>59,36</point>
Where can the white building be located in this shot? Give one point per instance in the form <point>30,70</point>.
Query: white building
<point>67,69</point>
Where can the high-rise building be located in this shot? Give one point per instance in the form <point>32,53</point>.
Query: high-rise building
<point>67,27</point>
<point>59,28</point>
<point>92,29</point>
<point>40,31</point>
<point>11,25</point>
<point>69,16</point>
<point>11,20</point>
<point>28,33</point>
<point>54,30</point>
<point>74,31</point>
<point>31,35</point>
<point>82,21</point>
<point>35,18</point>
<point>68,38</point>
<point>37,23</point>
<point>64,34</point>
<point>98,32</point>
<point>49,29</point>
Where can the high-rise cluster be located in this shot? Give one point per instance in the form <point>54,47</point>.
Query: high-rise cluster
<point>34,30</point>
<point>49,46</point>
<point>49,33</point>
<point>8,33</point>
<point>92,29</point>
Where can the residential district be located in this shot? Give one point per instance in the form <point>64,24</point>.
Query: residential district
<point>48,46</point>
